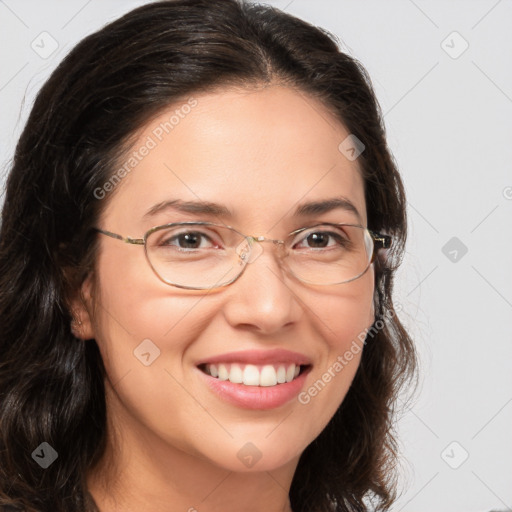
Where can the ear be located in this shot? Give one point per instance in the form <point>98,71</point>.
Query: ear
<point>82,310</point>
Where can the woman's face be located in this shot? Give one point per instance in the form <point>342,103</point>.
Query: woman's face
<point>261,154</point>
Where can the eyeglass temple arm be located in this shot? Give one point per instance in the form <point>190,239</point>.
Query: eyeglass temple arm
<point>381,241</point>
<point>128,239</point>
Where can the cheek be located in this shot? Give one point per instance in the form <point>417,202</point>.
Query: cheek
<point>344,313</point>
<point>143,329</point>
<point>133,303</point>
<point>140,323</point>
<point>343,320</point>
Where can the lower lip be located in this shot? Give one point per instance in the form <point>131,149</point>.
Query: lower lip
<point>256,397</point>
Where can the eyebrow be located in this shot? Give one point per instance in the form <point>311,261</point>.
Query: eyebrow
<point>308,209</point>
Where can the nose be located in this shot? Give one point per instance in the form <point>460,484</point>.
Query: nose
<point>263,298</point>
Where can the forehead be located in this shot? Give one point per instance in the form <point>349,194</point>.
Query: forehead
<point>260,152</point>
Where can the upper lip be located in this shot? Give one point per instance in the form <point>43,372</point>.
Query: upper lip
<point>260,357</point>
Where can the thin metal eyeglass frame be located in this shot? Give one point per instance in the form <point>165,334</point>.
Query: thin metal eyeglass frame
<point>380,241</point>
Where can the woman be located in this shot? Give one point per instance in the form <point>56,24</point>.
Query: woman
<point>159,351</point>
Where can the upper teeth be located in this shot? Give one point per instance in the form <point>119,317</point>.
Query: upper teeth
<point>252,375</point>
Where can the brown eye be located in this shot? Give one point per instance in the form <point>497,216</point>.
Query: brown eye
<point>323,239</point>
<point>185,239</point>
<point>190,240</point>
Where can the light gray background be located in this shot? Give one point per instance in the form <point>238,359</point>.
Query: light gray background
<point>449,122</point>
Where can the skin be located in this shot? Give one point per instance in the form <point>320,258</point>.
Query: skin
<point>172,442</point>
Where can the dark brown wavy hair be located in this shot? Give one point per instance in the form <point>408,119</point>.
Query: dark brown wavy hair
<point>81,124</point>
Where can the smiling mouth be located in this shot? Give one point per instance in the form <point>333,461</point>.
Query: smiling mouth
<point>254,375</point>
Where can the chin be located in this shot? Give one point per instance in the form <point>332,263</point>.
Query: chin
<point>253,456</point>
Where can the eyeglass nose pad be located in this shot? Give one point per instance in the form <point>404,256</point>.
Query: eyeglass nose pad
<point>246,249</point>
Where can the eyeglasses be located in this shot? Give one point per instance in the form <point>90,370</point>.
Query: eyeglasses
<point>203,255</point>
